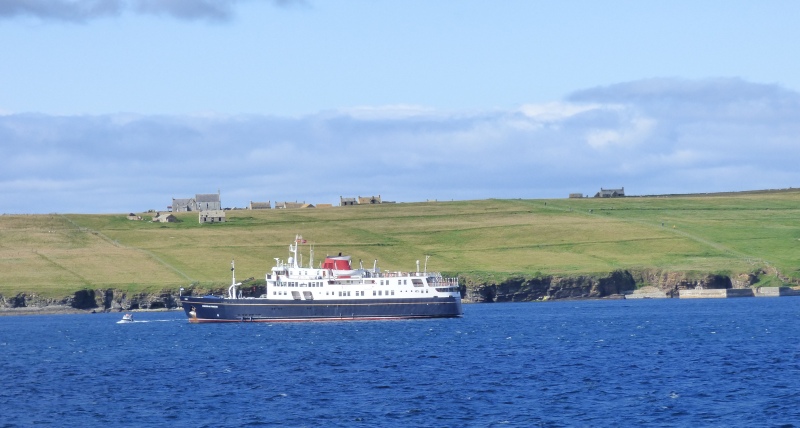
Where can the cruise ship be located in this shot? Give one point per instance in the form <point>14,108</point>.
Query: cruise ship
<point>332,291</point>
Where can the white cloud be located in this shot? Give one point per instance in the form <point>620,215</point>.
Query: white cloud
<point>669,136</point>
<point>556,111</point>
<point>399,111</point>
<point>636,131</point>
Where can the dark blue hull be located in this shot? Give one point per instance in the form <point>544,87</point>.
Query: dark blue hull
<point>218,309</point>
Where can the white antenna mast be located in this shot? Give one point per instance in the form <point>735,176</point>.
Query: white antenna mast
<point>232,288</point>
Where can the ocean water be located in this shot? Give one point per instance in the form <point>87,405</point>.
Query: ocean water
<point>670,363</point>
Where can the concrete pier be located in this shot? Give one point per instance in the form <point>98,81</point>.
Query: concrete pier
<point>720,293</point>
<point>725,293</point>
<point>648,292</point>
<point>775,291</point>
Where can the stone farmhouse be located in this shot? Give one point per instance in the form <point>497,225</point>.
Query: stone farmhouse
<point>212,216</point>
<point>610,193</point>
<point>182,205</point>
<point>292,205</point>
<point>367,200</point>
<point>260,205</point>
<point>200,202</point>
<point>164,218</point>
<point>208,201</point>
<point>343,202</point>
<point>361,200</point>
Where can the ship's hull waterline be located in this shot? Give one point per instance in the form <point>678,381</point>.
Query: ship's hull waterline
<point>210,309</point>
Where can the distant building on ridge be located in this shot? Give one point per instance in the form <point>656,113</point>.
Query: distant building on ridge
<point>260,205</point>
<point>164,218</point>
<point>361,200</point>
<point>200,202</point>
<point>208,201</point>
<point>182,205</point>
<point>291,205</point>
<point>610,193</point>
<point>212,216</point>
<point>367,200</point>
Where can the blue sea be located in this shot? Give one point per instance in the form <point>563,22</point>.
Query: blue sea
<point>655,363</point>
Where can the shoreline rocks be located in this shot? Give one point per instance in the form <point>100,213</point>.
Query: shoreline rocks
<point>620,284</point>
<point>626,284</point>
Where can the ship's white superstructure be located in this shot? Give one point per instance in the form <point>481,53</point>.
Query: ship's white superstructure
<point>335,279</point>
<point>333,290</point>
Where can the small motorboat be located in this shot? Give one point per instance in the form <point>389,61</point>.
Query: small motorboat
<point>126,319</point>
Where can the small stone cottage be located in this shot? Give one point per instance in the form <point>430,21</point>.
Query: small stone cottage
<point>212,216</point>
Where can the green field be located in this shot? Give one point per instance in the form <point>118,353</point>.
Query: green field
<point>55,255</point>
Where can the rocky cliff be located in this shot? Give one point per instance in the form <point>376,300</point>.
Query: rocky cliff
<point>615,284</point>
<point>98,300</point>
<point>522,289</point>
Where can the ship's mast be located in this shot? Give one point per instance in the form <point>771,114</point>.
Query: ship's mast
<point>232,288</point>
<point>293,259</point>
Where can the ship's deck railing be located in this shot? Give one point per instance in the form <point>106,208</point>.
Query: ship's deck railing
<point>401,274</point>
<point>365,273</point>
<point>434,278</point>
<point>438,282</point>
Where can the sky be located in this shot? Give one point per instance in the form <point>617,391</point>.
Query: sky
<point>116,106</point>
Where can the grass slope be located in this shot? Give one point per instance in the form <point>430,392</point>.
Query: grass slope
<point>728,234</point>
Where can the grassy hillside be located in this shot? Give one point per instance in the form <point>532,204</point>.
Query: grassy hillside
<point>58,254</point>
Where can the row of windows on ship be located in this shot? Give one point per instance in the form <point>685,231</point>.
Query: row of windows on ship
<point>347,293</point>
<point>417,283</point>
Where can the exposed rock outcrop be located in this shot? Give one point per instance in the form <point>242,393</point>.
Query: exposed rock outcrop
<point>521,289</point>
<point>669,284</point>
<point>673,282</point>
<point>99,300</point>
<point>123,301</point>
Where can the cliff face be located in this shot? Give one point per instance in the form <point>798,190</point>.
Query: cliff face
<point>520,289</point>
<point>672,282</point>
<point>100,300</point>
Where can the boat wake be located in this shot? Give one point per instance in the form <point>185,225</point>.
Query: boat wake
<point>144,322</point>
